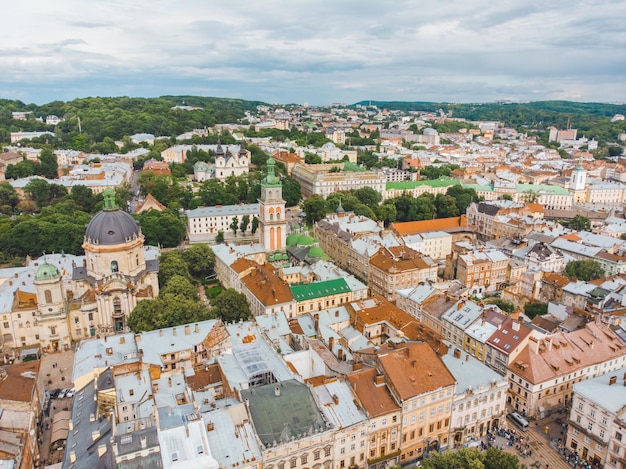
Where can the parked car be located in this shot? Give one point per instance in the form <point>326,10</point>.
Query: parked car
<point>70,393</point>
<point>61,394</point>
<point>54,393</point>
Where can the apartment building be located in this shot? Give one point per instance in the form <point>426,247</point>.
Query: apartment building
<point>596,430</point>
<point>425,388</point>
<point>510,338</point>
<point>318,179</point>
<point>384,414</point>
<point>482,270</point>
<point>479,403</point>
<point>542,375</point>
<point>394,268</point>
<point>204,223</point>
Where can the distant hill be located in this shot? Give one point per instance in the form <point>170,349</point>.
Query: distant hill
<point>116,117</point>
<point>591,119</point>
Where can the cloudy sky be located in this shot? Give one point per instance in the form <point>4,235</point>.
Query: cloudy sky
<point>323,51</point>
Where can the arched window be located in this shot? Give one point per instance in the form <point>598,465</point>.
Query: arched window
<point>114,267</point>
<point>48,295</point>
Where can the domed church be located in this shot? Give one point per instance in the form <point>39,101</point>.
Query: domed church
<point>115,274</point>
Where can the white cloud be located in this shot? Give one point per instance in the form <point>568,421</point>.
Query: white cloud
<point>323,51</point>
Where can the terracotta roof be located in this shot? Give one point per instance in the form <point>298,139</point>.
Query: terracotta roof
<point>554,278</point>
<point>17,386</point>
<point>566,352</point>
<point>242,264</point>
<point>572,237</point>
<point>439,224</point>
<point>150,203</point>
<point>374,396</point>
<point>413,369</point>
<point>506,338</point>
<point>398,259</point>
<point>204,377</point>
<point>266,286</point>
<point>536,207</point>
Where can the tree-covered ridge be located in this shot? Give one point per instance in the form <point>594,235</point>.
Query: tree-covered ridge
<point>591,119</point>
<point>120,116</point>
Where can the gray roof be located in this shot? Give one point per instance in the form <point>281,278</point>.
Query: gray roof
<point>223,211</point>
<point>90,436</point>
<point>608,396</point>
<point>282,411</point>
<point>111,227</point>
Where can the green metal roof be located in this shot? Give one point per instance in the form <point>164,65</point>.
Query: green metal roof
<point>477,187</point>
<point>406,185</point>
<point>348,166</point>
<point>311,291</point>
<point>542,188</point>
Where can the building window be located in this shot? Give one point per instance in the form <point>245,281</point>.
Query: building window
<point>48,295</point>
<point>114,267</point>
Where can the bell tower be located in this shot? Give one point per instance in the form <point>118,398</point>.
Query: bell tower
<point>577,183</point>
<point>272,221</point>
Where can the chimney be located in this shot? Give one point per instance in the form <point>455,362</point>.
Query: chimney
<point>467,357</point>
<point>357,366</point>
<point>331,343</point>
<point>548,341</point>
<point>379,379</point>
<point>612,380</point>
<point>460,305</point>
<point>457,353</point>
<point>187,329</point>
<point>336,399</point>
<point>174,332</point>
<point>515,325</point>
<point>196,328</point>
<point>160,332</point>
<point>533,344</point>
<point>277,390</point>
<point>340,355</point>
<point>122,340</point>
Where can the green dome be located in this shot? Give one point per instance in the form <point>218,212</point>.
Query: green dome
<point>316,251</point>
<point>292,239</point>
<point>304,240</point>
<point>46,272</point>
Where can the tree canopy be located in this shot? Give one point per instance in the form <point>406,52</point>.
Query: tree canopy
<point>584,270</point>
<point>471,458</point>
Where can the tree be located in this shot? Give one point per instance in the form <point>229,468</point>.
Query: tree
<point>171,264</point>
<point>368,196</point>
<point>83,197</point>
<point>200,260</point>
<point>535,308</point>
<point>231,306</point>
<point>584,270</point>
<point>255,225</point>
<point>315,208</point>
<point>446,206</point>
<point>503,305</point>
<point>164,228</point>
<point>471,458</point>
<point>506,197</point>
<point>48,164</point>
<point>219,238</point>
<point>180,285</point>
<point>579,223</point>
<point>292,192</point>
<point>234,224</point>
<point>8,197</point>
<point>245,221</point>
